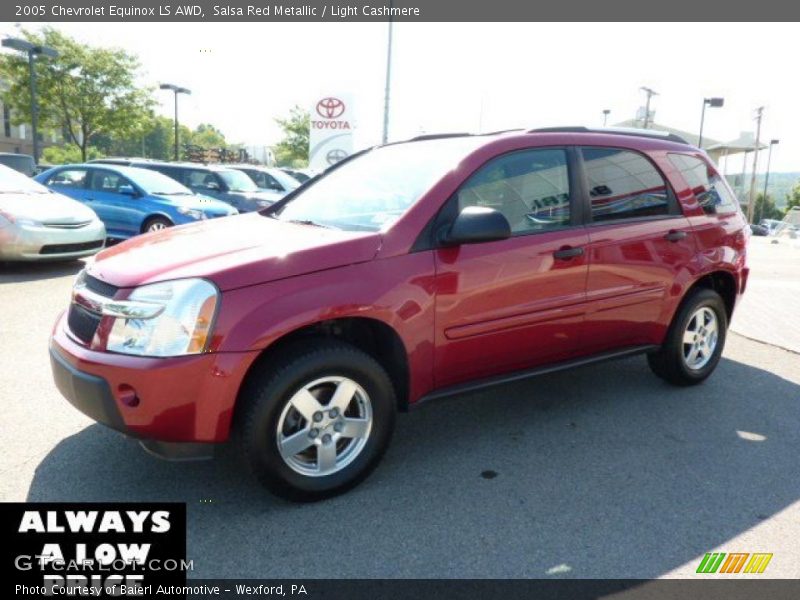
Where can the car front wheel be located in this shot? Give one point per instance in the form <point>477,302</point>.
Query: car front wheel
<point>317,422</point>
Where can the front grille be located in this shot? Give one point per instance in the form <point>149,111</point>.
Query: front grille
<point>71,225</point>
<point>83,323</point>
<point>67,248</point>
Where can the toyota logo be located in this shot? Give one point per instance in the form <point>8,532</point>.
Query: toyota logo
<point>330,108</point>
<point>335,155</point>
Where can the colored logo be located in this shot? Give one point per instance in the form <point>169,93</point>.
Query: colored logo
<point>734,562</point>
<point>330,108</point>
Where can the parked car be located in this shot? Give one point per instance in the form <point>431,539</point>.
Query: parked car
<point>404,274</point>
<point>220,182</point>
<point>131,201</point>
<point>301,175</point>
<point>759,230</point>
<point>39,225</point>
<point>269,179</point>
<point>23,163</point>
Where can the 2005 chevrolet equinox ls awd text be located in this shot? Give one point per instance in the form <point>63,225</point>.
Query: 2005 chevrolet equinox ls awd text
<point>405,273</point>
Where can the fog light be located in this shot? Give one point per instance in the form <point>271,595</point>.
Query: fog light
<point>127,395</point>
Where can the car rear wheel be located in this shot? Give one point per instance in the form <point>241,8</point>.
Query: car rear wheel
<point>156,224</point>
<point>318,421</point>
<point>694,342</point>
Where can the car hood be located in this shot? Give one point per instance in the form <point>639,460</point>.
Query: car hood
<point>233,252</point>
<point>197,201</point>
<point>46,208</point>
<point>272,196</point>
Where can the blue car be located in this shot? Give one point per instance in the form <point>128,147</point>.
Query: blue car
<point>131,201</point>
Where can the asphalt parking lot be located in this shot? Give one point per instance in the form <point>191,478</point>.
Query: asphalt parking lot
<point>603,472</point>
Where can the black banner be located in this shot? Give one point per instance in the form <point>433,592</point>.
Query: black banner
<point>398,10</point>
<point>92,549</point>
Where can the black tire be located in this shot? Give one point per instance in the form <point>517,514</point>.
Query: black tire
<point>267,394</point>
<point>669,362</point>
<point>158,222</point>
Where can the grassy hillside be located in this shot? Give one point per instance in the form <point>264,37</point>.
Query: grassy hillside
<point>780,184</point>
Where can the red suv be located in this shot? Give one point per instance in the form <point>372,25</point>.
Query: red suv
<point>408,272</point>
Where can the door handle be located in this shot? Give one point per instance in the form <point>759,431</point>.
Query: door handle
<point>89,198</point>
<point>567,253</point>
<point>675,236</point>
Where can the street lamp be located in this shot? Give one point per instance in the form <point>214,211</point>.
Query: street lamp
<point>713,103</point>
<point>176,90</point>
<point>32,50</point>
<point>766,179</point>
<point>606,112</point>
<point>650,93</point>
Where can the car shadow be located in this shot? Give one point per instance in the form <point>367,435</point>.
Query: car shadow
<point>18,272</point>
<point>602,472</point>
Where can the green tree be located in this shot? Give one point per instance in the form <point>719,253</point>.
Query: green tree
<point>62,155</point>
<point>86,92</point>
<point>292,150</point>
<point>765,209</point>
<point>206,135</point>
<point>793,197</point>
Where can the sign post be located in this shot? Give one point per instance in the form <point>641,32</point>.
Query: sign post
<point>331,136</point>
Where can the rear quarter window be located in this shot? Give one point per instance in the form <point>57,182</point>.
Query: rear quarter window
<point>714,196</point>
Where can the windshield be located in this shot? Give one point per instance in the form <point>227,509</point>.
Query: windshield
<point>153,182</point>
<point>237,181</point>
<point>372,191</point>
<point>13,181</point>
<point>287,181</point>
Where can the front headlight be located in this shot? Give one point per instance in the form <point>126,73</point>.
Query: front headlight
<point>264,203</point>
<point>192,212</point>
<point>173,318</point>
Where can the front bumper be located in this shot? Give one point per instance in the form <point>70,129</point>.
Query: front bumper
<point>51,243</point>
<point>182,399</point>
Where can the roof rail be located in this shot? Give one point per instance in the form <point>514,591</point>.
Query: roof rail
<point>439,136</point>
<point>647,133</point>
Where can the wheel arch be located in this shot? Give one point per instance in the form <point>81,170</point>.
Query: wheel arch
<point>146,221</point>
<point>721,281</point>
<point>373,336</point>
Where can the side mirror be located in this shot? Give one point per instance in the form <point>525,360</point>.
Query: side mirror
<point>476,224</point>
<point>127,190</point>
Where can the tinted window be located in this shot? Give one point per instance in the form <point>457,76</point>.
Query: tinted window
<point>107,181</point>
<point>74,178</point>
<point>530,188</point>
<point>623,185</point>
<point>201,179</point>
<point>709,189</point>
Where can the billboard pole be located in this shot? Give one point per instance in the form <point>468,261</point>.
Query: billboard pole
<point>388,80</point>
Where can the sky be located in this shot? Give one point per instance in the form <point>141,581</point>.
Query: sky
<point>471,76</point>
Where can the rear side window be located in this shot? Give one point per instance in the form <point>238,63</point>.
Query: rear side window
<point>709,189</point>
<point>624,185</point>
<point>530,188</point>
<point>73,178</point>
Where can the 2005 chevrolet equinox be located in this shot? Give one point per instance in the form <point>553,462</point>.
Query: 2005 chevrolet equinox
<point>405,273</point>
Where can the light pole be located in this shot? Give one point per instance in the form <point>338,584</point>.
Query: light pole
<point>387,90</point>
<point>713,103</point>
<point>650,93</point>
<point>176,90</point>
<point>766,179</point>
<point>606,112</point>
<point>752,197</point>
<point>32,50</point>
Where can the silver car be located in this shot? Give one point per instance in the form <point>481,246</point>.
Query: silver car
<point>37,224</point>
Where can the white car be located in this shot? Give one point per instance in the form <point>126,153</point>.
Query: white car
<point>37,224</point>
